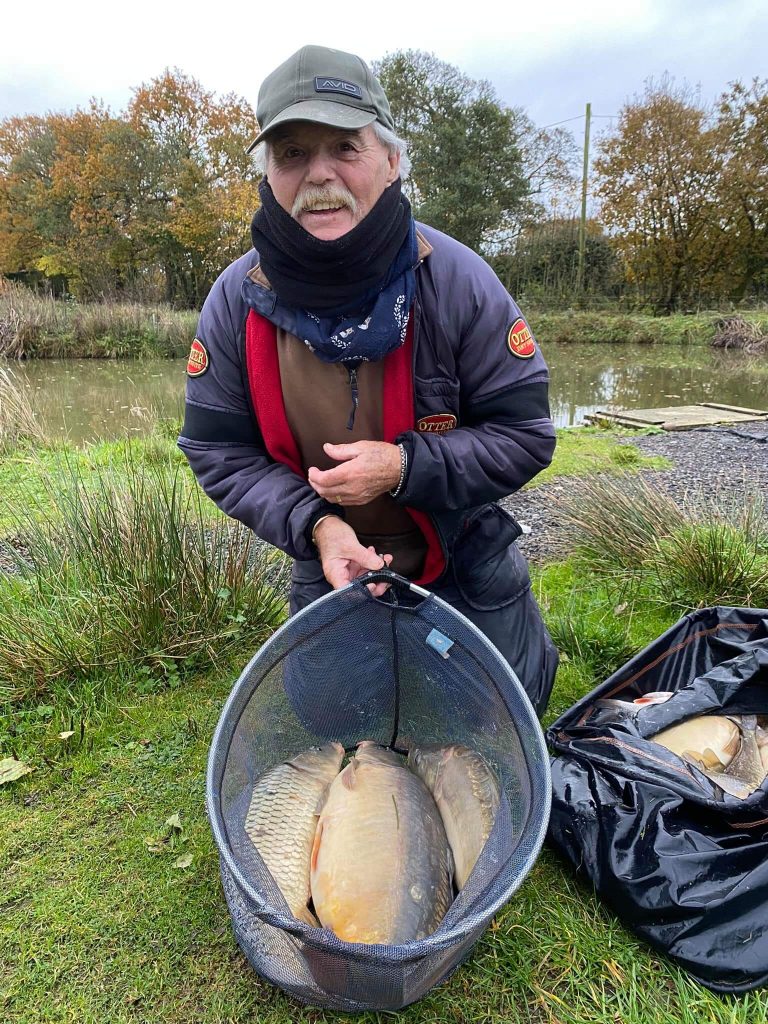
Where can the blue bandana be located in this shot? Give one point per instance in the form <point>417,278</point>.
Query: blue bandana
<point>345,336</point>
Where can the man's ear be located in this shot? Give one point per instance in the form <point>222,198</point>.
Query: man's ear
<point>393,171</point>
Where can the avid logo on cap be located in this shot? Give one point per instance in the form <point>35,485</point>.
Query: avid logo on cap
<point>338,85</point>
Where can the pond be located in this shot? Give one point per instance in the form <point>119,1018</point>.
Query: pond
<point>85,399</point>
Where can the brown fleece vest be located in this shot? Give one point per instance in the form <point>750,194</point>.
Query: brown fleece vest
<point>318,400</point>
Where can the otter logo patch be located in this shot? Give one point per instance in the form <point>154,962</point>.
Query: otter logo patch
<point>520,340</point>
<point>438,423</point>
<point>197,363</point>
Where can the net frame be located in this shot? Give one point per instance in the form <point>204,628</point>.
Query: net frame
<point>394,969</point>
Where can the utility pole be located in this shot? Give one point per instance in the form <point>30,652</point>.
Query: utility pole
<point>583,224</point>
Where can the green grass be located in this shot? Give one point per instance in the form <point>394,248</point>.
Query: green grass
<point>712,548</point>
<point>26,471</point>
<point>129,571</point>
<point>637,328</point>
<point>583,451</point>
<point>101,922</point>
<point>97,924</point>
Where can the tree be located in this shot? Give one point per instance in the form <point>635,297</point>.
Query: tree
<point>468,177</point>
<point>117,204</point>
<point>742,191</point>
<point>199,189</point>
<point>544,261</point>
<point>657,178</point>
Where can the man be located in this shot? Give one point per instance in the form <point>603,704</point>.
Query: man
<point>362,389</point>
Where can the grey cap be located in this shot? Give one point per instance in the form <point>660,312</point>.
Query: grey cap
<point>322,86</point>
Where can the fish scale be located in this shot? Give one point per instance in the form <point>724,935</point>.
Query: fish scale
<point>282,818</point>
<point>381,862</point>
<point>467,794</point>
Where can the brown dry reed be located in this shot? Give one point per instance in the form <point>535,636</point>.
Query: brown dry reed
<point>39,326</point>
<point>19,420</point>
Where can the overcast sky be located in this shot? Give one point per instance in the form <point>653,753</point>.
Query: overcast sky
<point>548,56</point>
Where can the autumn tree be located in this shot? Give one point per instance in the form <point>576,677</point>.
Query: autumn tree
<point>199,188</point>
<point>742,187</point>
<point>113,204</point>
<point>657,176</point>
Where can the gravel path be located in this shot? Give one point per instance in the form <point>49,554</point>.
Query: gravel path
<point>714,460</point>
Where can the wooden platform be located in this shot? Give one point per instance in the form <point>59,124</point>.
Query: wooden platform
<point>679,417</point>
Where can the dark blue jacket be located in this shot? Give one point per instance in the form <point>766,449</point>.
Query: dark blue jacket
<point>473,357</point>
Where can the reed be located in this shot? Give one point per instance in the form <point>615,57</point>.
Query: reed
<point>129,572</point>
<point>39,326</point>
<point>18,417</point>
<point>711,548</point>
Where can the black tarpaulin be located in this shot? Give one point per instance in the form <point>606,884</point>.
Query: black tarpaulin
<point>683,864</point>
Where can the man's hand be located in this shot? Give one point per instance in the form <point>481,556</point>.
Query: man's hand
<point>368,469</point>
<point>344,558</point>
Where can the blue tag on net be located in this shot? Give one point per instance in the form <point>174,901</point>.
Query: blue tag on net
<point>439,642</point>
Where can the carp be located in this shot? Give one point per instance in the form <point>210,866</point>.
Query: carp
<point>467,794</point>
<point>728,752</point>
<point>282,818</point>
<point>711,739</point>
<point>380,869</point>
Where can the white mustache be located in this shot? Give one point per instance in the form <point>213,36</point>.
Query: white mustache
<point>323,199</point>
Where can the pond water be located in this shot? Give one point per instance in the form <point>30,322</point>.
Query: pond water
<point>86,399</point>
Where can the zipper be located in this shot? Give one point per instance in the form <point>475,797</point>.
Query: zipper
<point>352,371</point>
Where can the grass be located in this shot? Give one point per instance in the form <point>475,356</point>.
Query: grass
<point>100,922</point>
<point>37,326</point>
<point>111,907</point>
<point>19,420</point>
<point>711,549</point>
<point>585,451</point>
<point>129,572</point>
<point>34,326</point>
<point>637,328</point>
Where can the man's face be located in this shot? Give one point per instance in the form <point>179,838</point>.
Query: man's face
<point>328,179</point>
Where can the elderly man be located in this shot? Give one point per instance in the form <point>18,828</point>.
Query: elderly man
<point>362,388</point>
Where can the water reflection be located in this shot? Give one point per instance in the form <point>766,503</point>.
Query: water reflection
<point>86,399</point>
<point>586,378</point>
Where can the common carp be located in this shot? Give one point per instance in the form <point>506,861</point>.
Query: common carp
<point>745,773</point>
<point>711,739</point>
<point>282,818</point>
<point>380,861</point>
<point>466,792</point>
<point>727,752</point>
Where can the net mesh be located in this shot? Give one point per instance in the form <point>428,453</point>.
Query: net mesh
<point>350,667</point>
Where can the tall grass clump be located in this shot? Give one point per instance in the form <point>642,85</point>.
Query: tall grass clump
<point>601,643</point>
<point>40,326</point>
<point>130,573</point>
<point>710,549</point>
<point>18,417</point>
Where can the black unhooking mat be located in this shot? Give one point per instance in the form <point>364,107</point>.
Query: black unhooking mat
<point>683,864</point>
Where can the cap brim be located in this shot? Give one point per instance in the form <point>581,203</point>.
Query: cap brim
<point>335,115</point>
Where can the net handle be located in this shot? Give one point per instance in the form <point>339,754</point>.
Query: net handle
<point>392,578</point>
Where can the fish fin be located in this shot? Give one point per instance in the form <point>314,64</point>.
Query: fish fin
<point>305,914</point>
<point>348,776</point>
<point>694,758</point>
<point>316,846</point>
<point>711,760</point>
